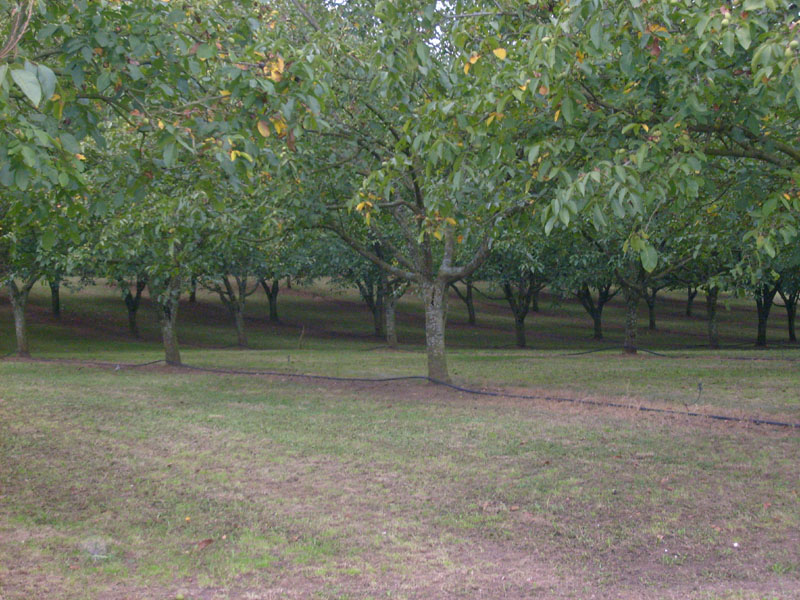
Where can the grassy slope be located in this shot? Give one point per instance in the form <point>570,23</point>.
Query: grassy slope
<point>111,478</point>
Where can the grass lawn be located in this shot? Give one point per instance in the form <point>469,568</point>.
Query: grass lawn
<point>165,483</point>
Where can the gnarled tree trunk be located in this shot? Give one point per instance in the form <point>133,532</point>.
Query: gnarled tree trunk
<point>765,295</point>
<point>166,301</point>
<point>19,300</point>
<point>434,300</point>
<point>132,301</point>
<point>272,297</point>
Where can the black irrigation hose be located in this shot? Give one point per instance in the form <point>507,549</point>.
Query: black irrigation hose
<point>585,402</point>
<point>596,403</point>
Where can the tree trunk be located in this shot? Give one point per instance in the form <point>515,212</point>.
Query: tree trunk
<point>690,294</point>
<point>237,310</point>
<point>55,297</point>
<point>631,318</point>
<point>378,314</point>
<point>19,299</point>
<point>711,310</point>
<point>272,297</point>
<point>764,299</point>
<point>535,301</point>
<point>519,331</point>
<point>132,304</point>
<point>650,300</point>
<point>597,318</point>
<point>391,324</point>
<point>470,304</point>
<point>193,291</point>
<point>435,301</point>
<point>167,317</point>
<point>790,303</point>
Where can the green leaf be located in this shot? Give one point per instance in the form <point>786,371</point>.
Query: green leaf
<point>649,258</point>
<point>3,71</point>
<point>47,81</point>
<point>48,239</point>
<point>754,4</point>
<point>29,84</point>
<point>743,35</point>
<point>728,44</point>
<point>206,51</point>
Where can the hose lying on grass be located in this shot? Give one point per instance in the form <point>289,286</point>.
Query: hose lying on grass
<point>474,392</point>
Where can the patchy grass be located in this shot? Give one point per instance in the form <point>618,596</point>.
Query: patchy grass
<point>165,483</point>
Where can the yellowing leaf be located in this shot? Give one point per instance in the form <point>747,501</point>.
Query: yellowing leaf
<point>450,220</point>
<point>224,93</point>
<point>500,53</point>
<point>80,157</point>
<point>474,58</point>
<point>160,124</point>
<point>558,114</point>
<point>490,119</point>
<point>524,86</point>
<point>263,128</point>
<point>437,234</point>
<point>787,196</point>
<point>466,68</point>
<point>645,127</point>
<point>280,126</point>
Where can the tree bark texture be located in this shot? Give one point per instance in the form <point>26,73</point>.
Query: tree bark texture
<point>650,300</point>
<point>434,299</point>
<point>132,301</point>
<point>167,304</point>
<point>391,320</point>
<point>790,303</point>
<point>19,300</point>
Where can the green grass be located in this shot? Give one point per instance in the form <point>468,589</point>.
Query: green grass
<point>162,483</point>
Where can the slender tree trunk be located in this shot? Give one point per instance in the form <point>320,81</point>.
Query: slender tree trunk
<point>132,304</point>
<point>19,300</point>
<point>631,319</point>
<point>193,291</point>
<point>764,299</point>
<point>597,318</point>
<point>435,301</point>
<point>470,304</point>
<point>167,316</point>
<point>711,310</point>
<point>391,323</point>
<point>535,301</point>
<point>690,294</point>
<point>55,297</point>
<point>519,331</point>
<point>272,297</point>
<point>790,303</point>
<point>237,310</point>
<point>288,283</point>
<point>650,300</point>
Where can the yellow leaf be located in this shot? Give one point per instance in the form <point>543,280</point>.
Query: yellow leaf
<point>263,128</point>
<point>524,86</point>
<point>500,53</point>
<point>490,119</point>
<point>474,58</point>
<point>280,126</point>
<point>437,234</point>
<point>460,239</point>
<point>558,114</point>
<point>451,220</point>
<point>645,127</point>
<point>787,196</point>
<point>160,124</point>
<point>224,93</point>
<point>80,157</point>
<point>234,154</point>
<point>466,68</point>
<point>55,97</point>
